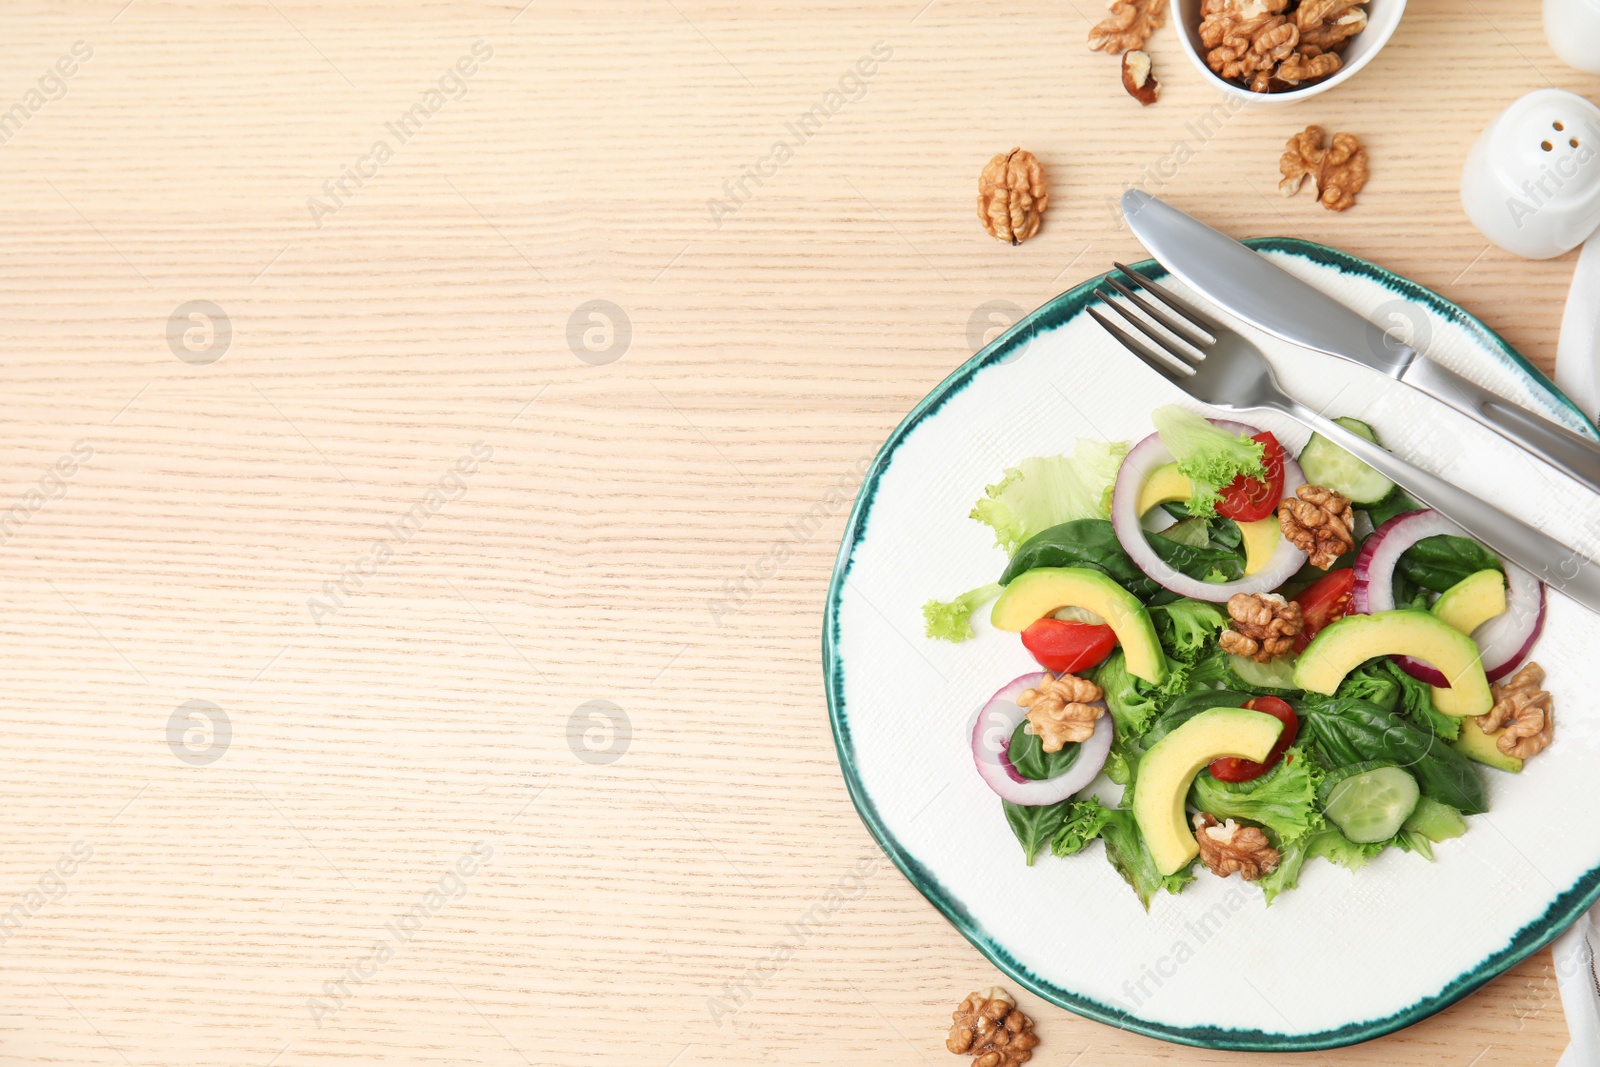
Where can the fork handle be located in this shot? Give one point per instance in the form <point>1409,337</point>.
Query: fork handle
<point>1562,568</point>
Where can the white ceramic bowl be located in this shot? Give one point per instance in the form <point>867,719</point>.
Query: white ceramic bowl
<point>1383,16</point>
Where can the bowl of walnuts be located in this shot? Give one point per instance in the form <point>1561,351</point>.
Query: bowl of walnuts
<point>1278,51</point>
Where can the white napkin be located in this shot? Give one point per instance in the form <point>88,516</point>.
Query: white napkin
<point>1580,989</point>
<point>1578,351</point>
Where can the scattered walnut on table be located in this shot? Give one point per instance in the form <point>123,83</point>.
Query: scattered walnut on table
<point>1012,196</point>
<point>988,1027</point>
<point>1317,520</point>
<point>1264,625</point>
<point>1231,847</point>
<point>1061,710</point>
<point>1338,171</point>
<point>1138,78</point>
<point>1522,712</point>
<point>1129,25</point>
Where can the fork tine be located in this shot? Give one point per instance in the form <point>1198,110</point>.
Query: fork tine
<point>1139,349</point>
<point>1149,331</point>
<point>1179,327</point>
<point>1159,292</point>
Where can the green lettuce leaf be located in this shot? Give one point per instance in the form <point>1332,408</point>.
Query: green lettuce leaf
<point>1126,850</point>
<point>1085,819</point>
<point>1047,491</point>
<point>1382,682</point>
<point>1328,843</point>
<point>952,620</point>
<point>1284,800</point>
<point>1185,626</point>
<point>1210,457</point>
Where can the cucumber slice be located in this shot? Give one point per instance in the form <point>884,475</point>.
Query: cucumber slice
<point>1372,805</point>
<point>1325,463</point>
<point>1276,673</point>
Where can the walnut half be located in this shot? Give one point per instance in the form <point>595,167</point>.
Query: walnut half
<point>1231,847</point>
<point>1522,712</point>
<point>1318,520</point>
<point>1062,710</point>
<point>1264,625</point>
<point>1339,170</point>
<point>1138,79</point>
<point>988,1027</point>
<point>1012,196</point>
<point>1129,25</point>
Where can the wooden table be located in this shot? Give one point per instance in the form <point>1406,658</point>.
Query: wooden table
<point>511,743</point>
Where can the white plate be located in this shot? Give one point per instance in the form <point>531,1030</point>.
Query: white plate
<point>1347,955</point>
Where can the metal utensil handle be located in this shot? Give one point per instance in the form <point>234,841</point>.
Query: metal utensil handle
<point>1568,452</point>
<point>1562,568</point>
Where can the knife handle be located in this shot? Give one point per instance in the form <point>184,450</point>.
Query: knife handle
<point>1563,569</point>
<point>1574,455</point>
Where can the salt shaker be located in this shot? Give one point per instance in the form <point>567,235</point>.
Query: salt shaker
<point>1573,27</point>
<point>1532,181</point>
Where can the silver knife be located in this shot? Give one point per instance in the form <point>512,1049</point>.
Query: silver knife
<point>1263,294</point>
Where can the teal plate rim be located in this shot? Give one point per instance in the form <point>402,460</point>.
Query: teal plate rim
<point>1052,314</point>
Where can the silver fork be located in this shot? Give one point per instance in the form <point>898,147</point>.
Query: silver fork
<point>1218,367</point>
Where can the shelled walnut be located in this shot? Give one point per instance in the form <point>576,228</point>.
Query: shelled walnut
<point>1129,25</point>
<point>1264,625</point>
<point>1230,847</point>
<point>1062,710</point>
<point>1138,78</point>
<point>1317,520</point>
<point>988,1027</point>
<point>1338,170</point>
<point>1012,196</point>
<point>1523,713</point>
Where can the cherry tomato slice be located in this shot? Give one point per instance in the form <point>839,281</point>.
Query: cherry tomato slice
<point>1249,499</point>
<point>1234,769</point>
<point>1065,647</point>
<point>1325,602</point>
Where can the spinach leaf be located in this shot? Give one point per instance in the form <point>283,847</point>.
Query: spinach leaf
<point>1185,707</point>
<point>1208,563</point>
<point>1382,682</point>
<point>1035,824</point>
<point>1028,756</point>
<point>1349,730</point>
<point>1437,563</point>
<point>1396,503</point>
<point>1084,543</point>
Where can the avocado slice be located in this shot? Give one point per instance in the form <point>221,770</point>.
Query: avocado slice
<point>1042,591</point>
<point>1480,747</point>
<point>1472,601</point>
<point>1168,769</point>
<point>1354,639</point>
<point>1165,485</point>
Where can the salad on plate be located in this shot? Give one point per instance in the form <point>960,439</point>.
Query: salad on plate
<point>1276,658</point>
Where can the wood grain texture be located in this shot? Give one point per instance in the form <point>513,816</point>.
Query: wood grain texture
<point>608,542</point>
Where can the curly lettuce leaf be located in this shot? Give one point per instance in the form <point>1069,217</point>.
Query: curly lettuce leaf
<point>1284,800</point>
<point>1084,821</point>
<point>1209,457</point>
<point>1185,626</point>
<point>1046,491</point>
<point>1126,850</point>
<point>952,620</point>
<point>1328,843</point>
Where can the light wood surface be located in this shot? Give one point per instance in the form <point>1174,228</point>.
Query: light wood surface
<point>376,744</point>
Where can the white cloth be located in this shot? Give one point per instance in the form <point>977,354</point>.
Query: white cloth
<point>1578,351</point>
<point>1576,977</point>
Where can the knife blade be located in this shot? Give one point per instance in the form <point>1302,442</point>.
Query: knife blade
<point>1263,294</point>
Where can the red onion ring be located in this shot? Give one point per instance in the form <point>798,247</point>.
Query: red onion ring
<point>1136,467</point>
<point>1503,642</point>
<point>991,737</point>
